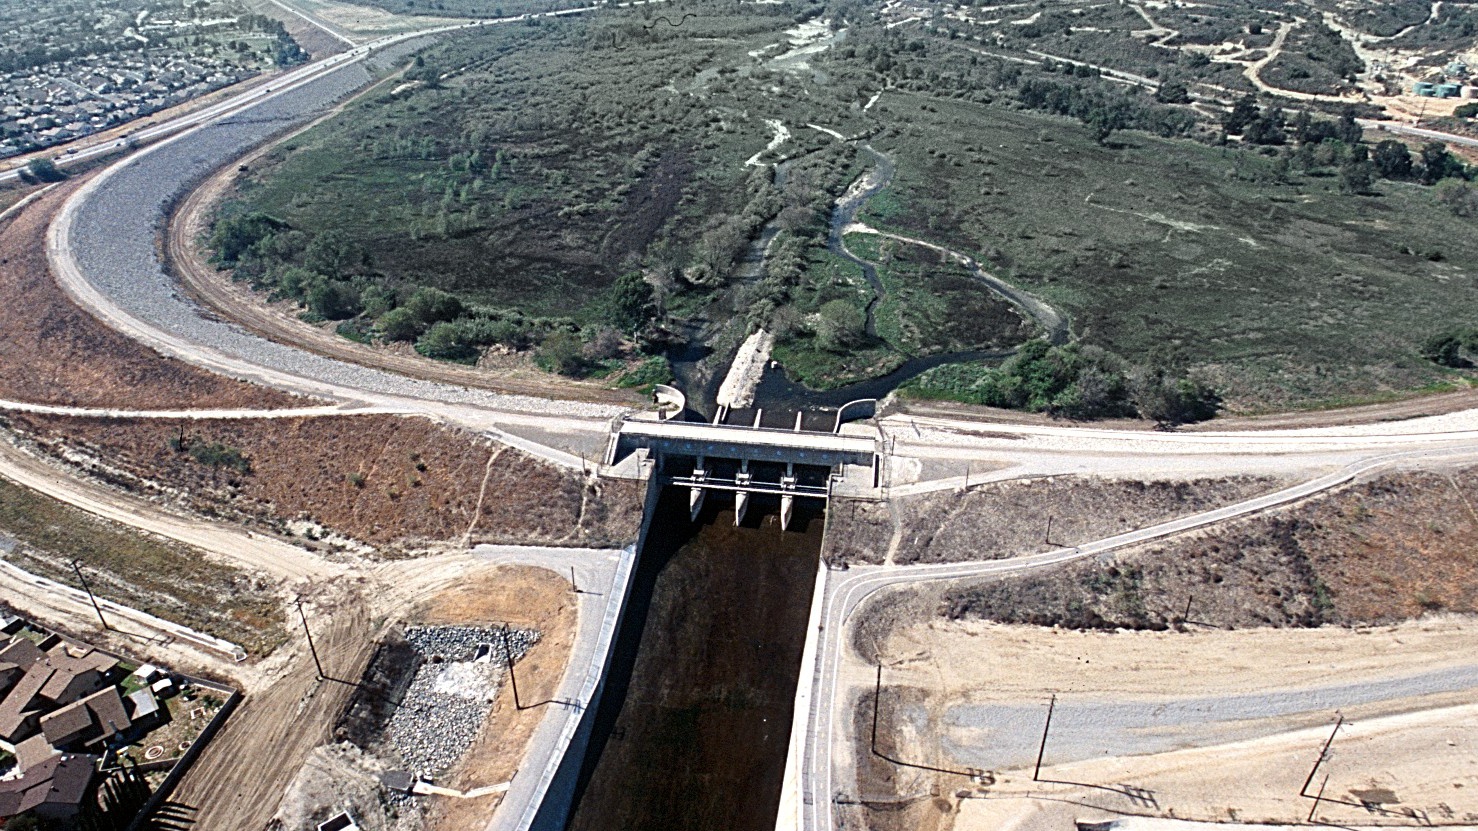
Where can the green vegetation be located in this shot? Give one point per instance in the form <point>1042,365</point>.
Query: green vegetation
<point>1074,381</point>
<point>1249,266</point>
<point>1455,348</point>
<point>42,170</point>
<point>1314,59</point>
<point>160,577</point>
<point>577,190</point>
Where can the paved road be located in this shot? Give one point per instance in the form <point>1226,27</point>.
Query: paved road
<point>1420,132</point>
<point>844,593</point>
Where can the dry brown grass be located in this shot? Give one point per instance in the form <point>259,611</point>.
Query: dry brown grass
<point>385,480</point>
<point>53,352</point>
<point>1391,549</point>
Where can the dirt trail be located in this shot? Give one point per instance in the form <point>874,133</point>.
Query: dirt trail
<point>238,546</point>
<point>238,780</point>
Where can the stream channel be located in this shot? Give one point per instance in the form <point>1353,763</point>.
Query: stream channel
<point>777,393</point>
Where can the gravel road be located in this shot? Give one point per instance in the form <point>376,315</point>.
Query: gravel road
<point>114,232</point>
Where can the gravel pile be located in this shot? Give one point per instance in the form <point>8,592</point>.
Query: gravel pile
<point>460,643</point>
<point>114,241</point>
<point>451,693</point>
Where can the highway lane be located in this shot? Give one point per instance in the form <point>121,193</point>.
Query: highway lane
<point>844,593</point>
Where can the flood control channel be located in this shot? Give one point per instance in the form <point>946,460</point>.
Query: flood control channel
<point>692,728</point>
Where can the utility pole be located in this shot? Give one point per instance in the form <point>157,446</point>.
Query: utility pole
<point>1047,538</point>
<point>1186,616</point>
<point>1323,754</point>
<point>1042,750</point>
<point>95,607</point>
<point>311,648</point>
<point>512,678</point>
<point>575,587</point>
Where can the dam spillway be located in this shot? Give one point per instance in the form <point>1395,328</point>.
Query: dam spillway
<point>693,726</point>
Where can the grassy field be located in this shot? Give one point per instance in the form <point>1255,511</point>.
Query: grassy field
<point>933,304</point>
<point>526,168</point>
<point>163,578</point>
<point>1271,284</point>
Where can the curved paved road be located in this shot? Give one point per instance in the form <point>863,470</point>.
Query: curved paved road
<point>844,592</point>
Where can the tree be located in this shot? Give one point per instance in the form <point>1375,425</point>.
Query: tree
<point>1467,110</point>
<point>1444,349</point>
<point>333,254</point>
<point>1357,174</point>
<point>1169,401</point>
<point>1438,164</point>
<point>234,236</point>
<point>1104,119</point>
<point>631,301</point>
<point>1460,197</point>
<point>332,299</point>
<point>1243,113</point>
<point>1173,92</point>
<point>1348,130</point>
<point>841,325</point>
<point>429,305</point>
<point>1392,159</point>
<point>446,342</point>
<point>561,352</point>
<point>399,324</point>
<point>45,170</point>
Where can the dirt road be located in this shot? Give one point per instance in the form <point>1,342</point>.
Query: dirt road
<point>239,779</point>
<point>233,544</point>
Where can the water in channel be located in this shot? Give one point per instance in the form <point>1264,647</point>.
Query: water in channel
<point>692,729</point>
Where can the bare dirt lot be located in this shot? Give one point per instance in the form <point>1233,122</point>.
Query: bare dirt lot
<point>1006,519</point>
<point>238,780</point>
<point>1233,740</point>
<point>1218,717</point>
<point>401,483</point>
<point>526,598</point>
<point>55,353</point>
<point>447,592</point>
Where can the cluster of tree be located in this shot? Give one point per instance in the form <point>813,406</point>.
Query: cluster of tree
<point>41,170</point>
<point>1270,125</point>
<point>1454,348</point>
<point>332,279</point>
<point>1105,111</point>
<point>1077,381</point>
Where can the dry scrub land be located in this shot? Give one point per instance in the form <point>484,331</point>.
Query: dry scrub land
<point>1007,519</point>
<point>55,353</point>
<point>400,484</point>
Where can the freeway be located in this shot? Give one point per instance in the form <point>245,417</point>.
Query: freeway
<point>812,774</point>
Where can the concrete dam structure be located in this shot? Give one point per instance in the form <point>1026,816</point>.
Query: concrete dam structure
<point>751,460</point>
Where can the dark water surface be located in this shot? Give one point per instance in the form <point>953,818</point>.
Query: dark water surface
<point>694,724</point>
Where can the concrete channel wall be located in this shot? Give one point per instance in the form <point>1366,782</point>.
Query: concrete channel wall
<point>546,805</point>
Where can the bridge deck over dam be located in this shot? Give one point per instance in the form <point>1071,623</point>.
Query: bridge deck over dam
<point>756,444</point>
<point>722,456</point>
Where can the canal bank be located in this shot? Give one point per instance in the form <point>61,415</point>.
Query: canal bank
<point>694,719</point>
